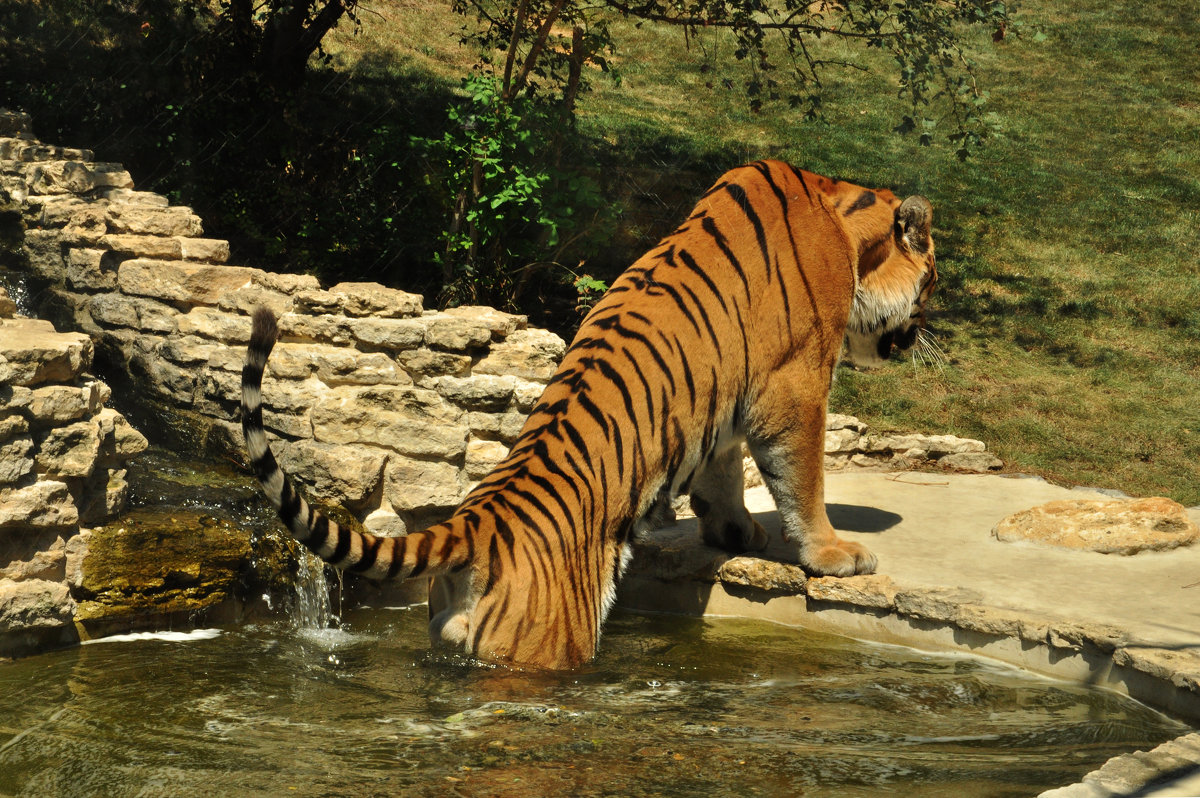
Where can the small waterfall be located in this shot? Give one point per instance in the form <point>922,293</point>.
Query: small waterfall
<point>312,609</point>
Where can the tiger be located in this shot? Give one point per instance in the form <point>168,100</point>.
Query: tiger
<point>728,331</point>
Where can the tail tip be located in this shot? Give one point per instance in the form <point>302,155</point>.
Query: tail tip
<point>265,328</point>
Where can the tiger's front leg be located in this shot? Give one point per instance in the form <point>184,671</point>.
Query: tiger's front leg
<point>786,435</point>
<point>718,499</point>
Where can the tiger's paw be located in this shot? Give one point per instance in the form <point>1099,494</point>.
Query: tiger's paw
<point>842,558</point>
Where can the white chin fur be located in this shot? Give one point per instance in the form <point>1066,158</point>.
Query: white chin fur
<point>861,350</point>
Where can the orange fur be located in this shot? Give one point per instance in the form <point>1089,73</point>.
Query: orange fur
<point>728,330</point>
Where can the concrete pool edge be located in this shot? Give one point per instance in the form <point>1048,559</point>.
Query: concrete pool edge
<point>945,585</point>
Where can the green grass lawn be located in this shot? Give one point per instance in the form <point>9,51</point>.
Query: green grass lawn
<point>1069,247</point>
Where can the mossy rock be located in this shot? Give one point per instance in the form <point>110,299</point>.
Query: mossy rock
<point>154,562</point>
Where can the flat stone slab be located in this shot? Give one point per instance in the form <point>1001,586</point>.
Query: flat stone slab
<point>1114,526</point>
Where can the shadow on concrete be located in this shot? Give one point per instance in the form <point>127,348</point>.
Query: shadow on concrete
<point>856,518</point>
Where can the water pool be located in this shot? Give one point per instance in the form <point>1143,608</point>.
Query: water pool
<point>673,707</point>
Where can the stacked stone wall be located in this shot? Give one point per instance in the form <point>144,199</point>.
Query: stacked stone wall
<point>62,468</point>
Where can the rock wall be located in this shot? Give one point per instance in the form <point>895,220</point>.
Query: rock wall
<point>62,458</point>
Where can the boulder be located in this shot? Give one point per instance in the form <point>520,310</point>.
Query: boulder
<point>1116,526</point>
<point>34,604</point>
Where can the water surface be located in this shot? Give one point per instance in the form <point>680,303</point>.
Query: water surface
<point>673,707</point>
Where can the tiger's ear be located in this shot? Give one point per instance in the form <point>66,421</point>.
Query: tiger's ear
<point>913,220</point>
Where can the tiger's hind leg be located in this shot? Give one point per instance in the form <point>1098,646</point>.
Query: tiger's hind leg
<point>786,434</point>
<point>719,502</point>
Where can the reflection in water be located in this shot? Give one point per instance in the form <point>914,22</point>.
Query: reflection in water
<point>673,706</point>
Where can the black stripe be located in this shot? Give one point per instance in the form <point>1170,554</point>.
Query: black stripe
<point>370,551</point>
<point>343,545</point>
<point>690,262</point>
<point>704,317</point>
<point>710,227</point>
<point>743,200</point>
<point>862,202</point>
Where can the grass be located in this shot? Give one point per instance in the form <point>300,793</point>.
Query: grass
<point>1068,306</point>
<point>1067,247</point>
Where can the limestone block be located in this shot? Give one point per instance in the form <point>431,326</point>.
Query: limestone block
<point>188,350</point>
<point>532,354</point>
<point>505,427</point>
<point>181,282</point>
<point>12,423</point>
<point>137,313</point>
<point>44,253</point>
<point>836,421</point>
<point>411,421</point>
<point>500,323</point>
<point>384,523</point>
<point>935,445</point>
<point>486,393</point>
<point>391,334</point>
<point>36,353</point>
<point>870,590</point>
<point>1118,526</point>
<point>361,299</point>
<point>975,462</point>
<point>841,440</point>
<point>170,248</point>
<point>163,377</point>
<point>62,404</point>
<point>34,604</point>
<point>46,504</point>
<point>455,333</point>
<point>289,284</point>
<point>60,177</point>
<point>106,494</point>
<point>86,270</point>
<point>766,575</point>
<point>119,441</point>
<point>327,329</point>
<point>16,458</point>
<point>422,484</point>
<point>8,308</point>
<point>150,220</point>
<point>69,451</point>
<point>211,323</point>
<point>40,561</point>
<point>526,393</point>
<point>483,456</point>
<point>427,366</point>
<point>335,365</point>
<point>248,298</point>
<point>127,196</point>
<point>332,473</point>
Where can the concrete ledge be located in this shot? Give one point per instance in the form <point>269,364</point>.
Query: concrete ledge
<point>1126,623</point>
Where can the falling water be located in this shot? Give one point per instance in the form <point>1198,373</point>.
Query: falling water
<point>312,609</point>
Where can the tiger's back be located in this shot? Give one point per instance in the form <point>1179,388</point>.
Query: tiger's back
<point>727,331</point>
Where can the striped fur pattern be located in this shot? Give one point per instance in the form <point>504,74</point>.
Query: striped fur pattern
<point>727,331</point>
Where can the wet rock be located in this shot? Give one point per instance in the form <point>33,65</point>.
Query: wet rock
<point>1118,526</point>
<point>159,562</point>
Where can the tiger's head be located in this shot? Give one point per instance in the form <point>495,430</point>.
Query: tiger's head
<point>896,276</point>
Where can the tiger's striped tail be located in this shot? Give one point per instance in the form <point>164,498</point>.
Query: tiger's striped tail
<point>429,552</point>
